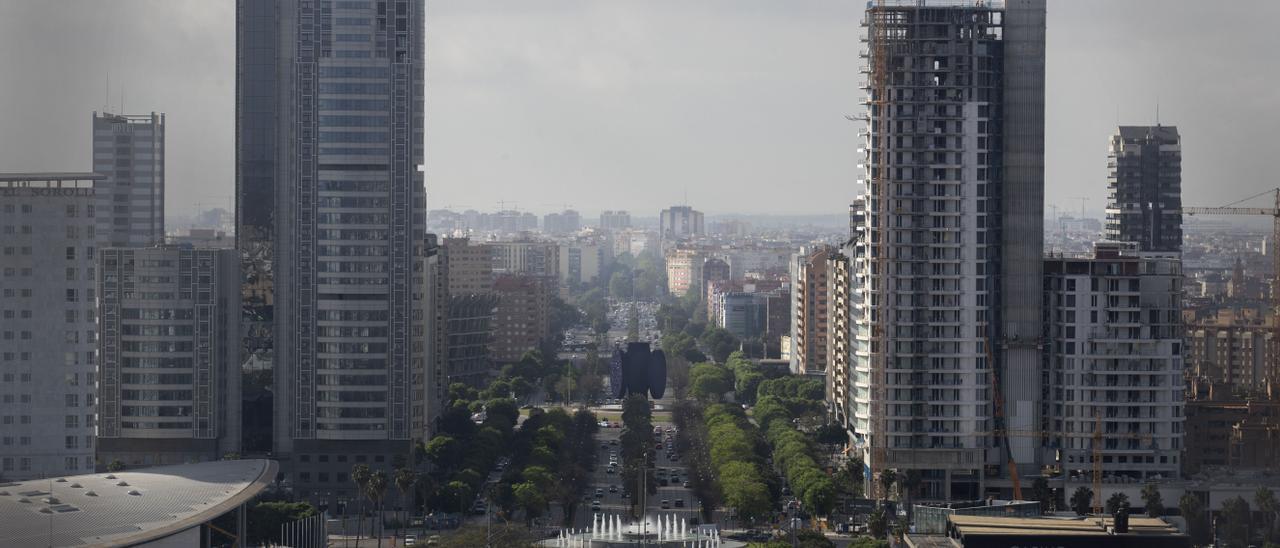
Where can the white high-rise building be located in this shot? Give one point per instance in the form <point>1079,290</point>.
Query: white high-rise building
<point>129,151</point>
<point>1114,358</point>
<point>48,227</point>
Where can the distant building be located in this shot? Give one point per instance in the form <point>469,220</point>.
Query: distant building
<point>715,269</point>
<point>582,261</point>
<point>684,270</point>
<point>129,150</point>
<point>1113,350</point>
<point>522,319</point>
<point>470,345</point>
<point>565,222</point>
<point>433,384</point>
<point>205,238</point>
<point>469,266</point>
<point>615,220</point>
<point>680,223</point>
<point>48,363</point>
<point>168,355</point>
<point>1235,348</point>
<point>1145,181</point>
<point>1228,431</point>
<point>526,257</point>
<point>810,309</point>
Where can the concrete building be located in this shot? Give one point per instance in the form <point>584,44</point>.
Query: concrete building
<point>582,261</point>
<point>168,355</point>
<point>469,331</point>
<point>565,222</point>
<point>1230,432</point>
<point>1113,354</point>
<point>431,383</point>
<point>129,151</point>
<point>330,218</point>
<point>469,267</point>
<point>1236,348</point>
<point>947,262</point>
<point>615,220</point>
<point>810,310</point>
<point>48,366</point>
<point>678,224</point>
<point>1145,183</point>
<point>526,257</point>
<point>522,319</point>
<point>684,270</point>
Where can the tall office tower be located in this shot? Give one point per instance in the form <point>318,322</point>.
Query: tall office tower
<point>1145,183</point>
<point>679,223</point>
<point>615,220</point>
<point>810,309</point>
<point>47,315</point>
<point>1114,353</point>
<point>129,150</point>
<point>168,355</point>
<point>948,261</point>
<point>330,215</point>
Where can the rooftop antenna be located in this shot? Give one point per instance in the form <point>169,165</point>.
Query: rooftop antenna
<point>1157,112</point>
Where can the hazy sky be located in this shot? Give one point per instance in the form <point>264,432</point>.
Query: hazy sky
<point>600,104</point>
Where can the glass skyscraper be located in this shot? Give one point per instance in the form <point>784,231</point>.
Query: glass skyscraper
<point>330,212</point>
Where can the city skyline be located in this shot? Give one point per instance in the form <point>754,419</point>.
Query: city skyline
<point>598,71</point>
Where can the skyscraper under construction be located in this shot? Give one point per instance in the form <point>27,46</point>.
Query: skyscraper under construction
<point>947,260</point>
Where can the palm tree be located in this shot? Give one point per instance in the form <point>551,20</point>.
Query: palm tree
<point>360,476</point>
<point>887,478</point>
<point>405,480</point>
<point>375,490</point>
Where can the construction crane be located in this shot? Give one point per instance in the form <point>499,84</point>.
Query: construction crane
<point>878,126</point>
<point>1096,451</point>
<point>1273,212</point>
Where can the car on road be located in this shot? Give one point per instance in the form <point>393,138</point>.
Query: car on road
<point>611,470</point>
<point>595,505</point>
<point>599,492</point>
<point>679,503</point>
<point>685,485</point>
<point>410,540</point>
<point>666,504</point>
<point>613,488</point>
<point>613,442</point>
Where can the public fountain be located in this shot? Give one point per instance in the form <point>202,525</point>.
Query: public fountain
<point>659,531</point>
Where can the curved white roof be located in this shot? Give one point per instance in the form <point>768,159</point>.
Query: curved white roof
<point>129,507</point>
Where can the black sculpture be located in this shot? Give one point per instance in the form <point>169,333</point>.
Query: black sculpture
<point>637,369</point>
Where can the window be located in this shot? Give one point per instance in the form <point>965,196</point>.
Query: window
<point>71,400</point>
<point>71,210</point>
<point>73,421</point>
<point>72,442</point>
<point>71,253</point>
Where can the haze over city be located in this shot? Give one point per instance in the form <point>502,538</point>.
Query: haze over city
<point>548,103</point>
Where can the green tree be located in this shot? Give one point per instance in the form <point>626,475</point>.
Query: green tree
<point>1115,501</point>
<point>1082,500</point>
<point>851,479</point>
<point>360,475</point>
<point>445,453</point>
<point>1233,522</point>
<point>1040,492</point>
<point>1152,500</point>
<point>1265,500</point>
<point>376,490</point>
<point>531,499</point>
<point>1192,510</point>
<point>405,480</point>
<point>887,478</point>
<point>115,466</point>
<point>266,518</point>
<point>720,342</point>
<point>878,522</point>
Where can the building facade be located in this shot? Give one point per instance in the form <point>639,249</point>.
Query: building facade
<point>168,355</point>
<point>679,223</point>
<point>522,318</point>
<point>48,325</point>
<point>129,151</point>
<point>1235,348</point>
<point>469,267</point>
<point>810,310</point>
<point>1113,352</point>
<point>1145,183</point>
<point>684,270</point>
<point>565,222</point>
<point>526,257</point>
<point>946,273</point>
<point>330,225</point>
<point>615,220</point>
